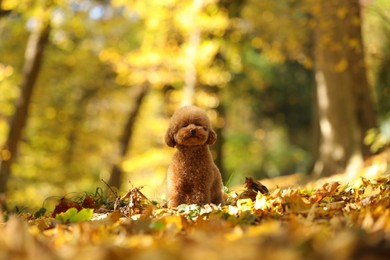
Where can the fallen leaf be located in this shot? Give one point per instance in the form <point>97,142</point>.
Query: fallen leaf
<point>73,215</point>
<point>256,186</point>
<point>64,205</point>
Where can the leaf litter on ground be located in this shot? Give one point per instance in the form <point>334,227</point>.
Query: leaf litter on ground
<point>322,219</point>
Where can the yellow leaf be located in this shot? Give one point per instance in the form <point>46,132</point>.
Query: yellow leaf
<point>261,202</point>
<point>233,210</point>
<point>245,204</point>
<point>368,221</point>
<point>10,4</point>
<point>173,222</point>
<point>5,71</point>
<point>269,227</point>
<point>236,233</point>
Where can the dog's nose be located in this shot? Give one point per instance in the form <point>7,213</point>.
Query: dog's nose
<point>193,132</point>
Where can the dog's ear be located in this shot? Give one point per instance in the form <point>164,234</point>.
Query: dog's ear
<point>170,138</point>
<point>212,137</point>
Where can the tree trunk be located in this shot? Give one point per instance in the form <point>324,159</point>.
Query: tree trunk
<point>219,145</point>
<point>345,109</point>
<point>33,60</point>
<point>116,171</point>
<point>75,122</point>
<point>365,108</point>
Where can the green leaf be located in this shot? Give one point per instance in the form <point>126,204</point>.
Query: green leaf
<point>182,208</point>
<point>40,213</point>
<point>72,215</point>
<point>157,225</point>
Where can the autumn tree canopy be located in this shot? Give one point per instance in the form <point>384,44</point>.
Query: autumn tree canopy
<point>297,91</point>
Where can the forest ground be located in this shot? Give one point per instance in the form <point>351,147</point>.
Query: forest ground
<point>293,217</point>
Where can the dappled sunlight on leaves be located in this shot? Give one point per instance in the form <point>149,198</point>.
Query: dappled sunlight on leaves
<point>332,220</point>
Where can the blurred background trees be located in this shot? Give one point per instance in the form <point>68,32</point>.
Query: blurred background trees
<point>291,86</point>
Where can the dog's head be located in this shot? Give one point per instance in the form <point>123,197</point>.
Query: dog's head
<point>190,126</point>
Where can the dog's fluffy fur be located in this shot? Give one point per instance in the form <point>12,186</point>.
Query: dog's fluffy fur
<point>193,178</point>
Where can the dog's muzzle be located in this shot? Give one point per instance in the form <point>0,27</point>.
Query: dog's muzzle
<point>193,132</point>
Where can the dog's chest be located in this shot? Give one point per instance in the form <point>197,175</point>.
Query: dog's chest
<point>196,164</point>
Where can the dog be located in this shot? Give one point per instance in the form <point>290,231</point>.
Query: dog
<point>193,177</point>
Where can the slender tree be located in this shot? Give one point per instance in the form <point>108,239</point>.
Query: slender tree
<point>127,133</point>
<point>37,42</point>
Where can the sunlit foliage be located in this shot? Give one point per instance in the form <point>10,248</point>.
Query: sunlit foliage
<point>250,61</point>
<point>341,218</point>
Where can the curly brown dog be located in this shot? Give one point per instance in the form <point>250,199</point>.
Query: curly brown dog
<point>193,178</point>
